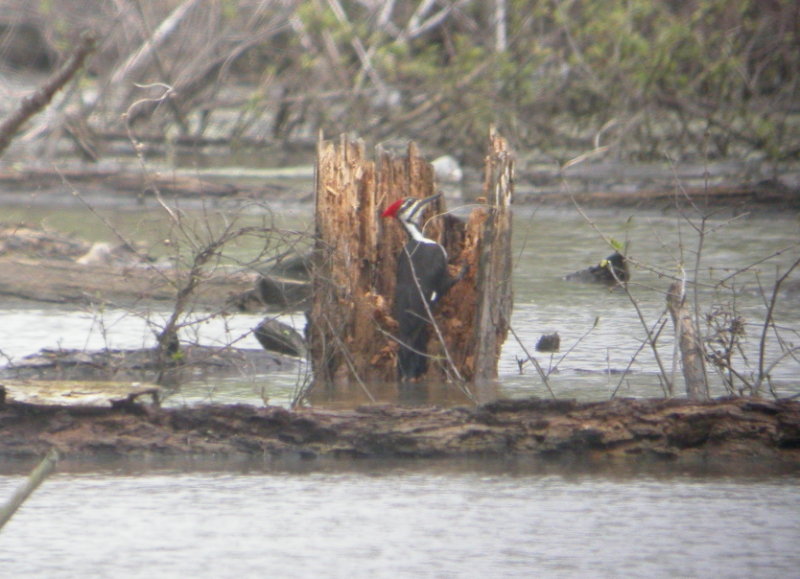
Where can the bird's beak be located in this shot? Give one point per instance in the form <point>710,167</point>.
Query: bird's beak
<point>426,200</point>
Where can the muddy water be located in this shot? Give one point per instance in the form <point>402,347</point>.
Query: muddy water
<point>601,332</point>
<point>384,520</point>
<point>444,520</point>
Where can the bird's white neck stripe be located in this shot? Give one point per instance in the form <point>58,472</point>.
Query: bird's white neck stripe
<point>415,234</point>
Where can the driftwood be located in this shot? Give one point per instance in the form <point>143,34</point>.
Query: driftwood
<point>694,372</point>
<point>767,196</point>
<point>59,281</point>
<point>350,328</point>
<point>121,181</point>
<point>678,432</point>
<point>79,392</point>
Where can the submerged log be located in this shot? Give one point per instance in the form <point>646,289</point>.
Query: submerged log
<point>351,330</point>
<point>143,364</point>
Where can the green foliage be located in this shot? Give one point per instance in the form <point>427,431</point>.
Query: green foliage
<point>652,77</point>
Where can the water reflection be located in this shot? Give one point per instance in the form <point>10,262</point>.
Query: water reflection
<point>411,394</point>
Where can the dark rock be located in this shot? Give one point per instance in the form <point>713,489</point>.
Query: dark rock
<point>246,301</point>
<point>278,337</point>
<point>294,266</point>
<point>283,292</point>
<point>549,343</point>
<point>285,285</point>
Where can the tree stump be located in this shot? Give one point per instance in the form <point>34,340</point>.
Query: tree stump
<point>350,329</point>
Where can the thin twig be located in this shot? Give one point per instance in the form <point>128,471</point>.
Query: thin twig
<point>768,322</point>
<point>534,361</point>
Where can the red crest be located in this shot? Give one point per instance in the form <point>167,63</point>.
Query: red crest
<point>391,211</point>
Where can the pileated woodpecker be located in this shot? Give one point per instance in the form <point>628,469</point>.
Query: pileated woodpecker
<point>422,279</point>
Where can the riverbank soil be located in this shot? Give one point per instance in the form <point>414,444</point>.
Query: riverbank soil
<point>626,430</point>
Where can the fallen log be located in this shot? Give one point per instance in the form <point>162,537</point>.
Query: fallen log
<point>678,431</point>
<point>60,281</point>
<point>768,196</point>
<point>143,364</point>
<point>120,181</point>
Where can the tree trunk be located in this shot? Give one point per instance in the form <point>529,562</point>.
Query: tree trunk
<point>691,352</point>
<point>495,289</point>
<point>350,330</point>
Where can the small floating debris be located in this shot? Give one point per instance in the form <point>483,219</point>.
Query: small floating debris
<point>549,343</point>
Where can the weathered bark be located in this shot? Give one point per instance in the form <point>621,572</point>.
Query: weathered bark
<point>691,351</point>
<point>342,266</point>
<point>475,314</point>
<point>354,261</point>
<point>495,289</point>
<point>354,264</point>
<point>753,431</point>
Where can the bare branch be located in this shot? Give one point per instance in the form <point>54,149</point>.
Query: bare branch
<point>34,103</point>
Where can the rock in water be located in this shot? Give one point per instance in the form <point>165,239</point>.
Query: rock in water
<point>278,337</point>
<point>549,343</point>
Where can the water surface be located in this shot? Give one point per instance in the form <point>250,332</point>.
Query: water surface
<point>602,336</point>
<point>404,521</point>
<point>428,519</point>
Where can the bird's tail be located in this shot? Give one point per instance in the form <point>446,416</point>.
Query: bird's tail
<point>412,362</point>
